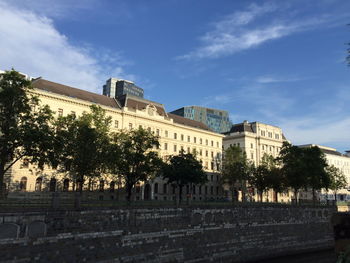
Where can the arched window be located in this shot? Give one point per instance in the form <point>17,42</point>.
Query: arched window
<point>38,184</point>
<point>52,185</point>
<point>165,188</point>
<point>138,188</point>
<point>66,185</point>
<point>156,188</point>
<point>23,184</point>
<point>102,185</point>
<point>112,186</point>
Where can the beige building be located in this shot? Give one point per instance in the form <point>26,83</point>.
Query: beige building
<point>127,112</point>
<point>342,162</point>
<point>257,139</point>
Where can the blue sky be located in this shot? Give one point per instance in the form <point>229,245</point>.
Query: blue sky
<point>279,62</point>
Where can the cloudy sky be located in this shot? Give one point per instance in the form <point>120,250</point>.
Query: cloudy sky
<point>279,62</point>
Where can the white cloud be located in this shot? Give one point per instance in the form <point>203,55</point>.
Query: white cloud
<point>237,32</point>
<point>31,44</point>
<point>274,79</point>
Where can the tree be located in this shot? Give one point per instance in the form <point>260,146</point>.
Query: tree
<point>338,180</point>
<point>25,129</point>
<point>236,169</point>
<point>259,179</point>
<point>183,169</point>
<point>315,165</point>
<point>137,161</point>
<point>82,145</point>
<point>293,167</point>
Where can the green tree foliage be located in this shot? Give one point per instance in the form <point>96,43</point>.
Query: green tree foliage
<point>338,180</point>
<point>25,129</point>
<point>183,169</point>
<point>82,145</point>
<point>315,165</point>
<point>236,170</point>
<point>293,167</point>
<point>137,160</point>
<point>259,179</point>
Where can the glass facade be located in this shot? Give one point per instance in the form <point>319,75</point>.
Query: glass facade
<point>216,120</point>
<point>116,88</point>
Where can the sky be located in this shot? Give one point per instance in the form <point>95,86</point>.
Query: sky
<point>276,62</point>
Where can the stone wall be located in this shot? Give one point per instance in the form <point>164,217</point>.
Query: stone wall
<point>188,234</point>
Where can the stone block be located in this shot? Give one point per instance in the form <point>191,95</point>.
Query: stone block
<point>36,229</point>
<point>9,230</point>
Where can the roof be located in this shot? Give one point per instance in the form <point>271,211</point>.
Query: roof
<point>68,91</point>
<point>331,152</point>
<point>134,102</point>
<point>241,127</point>
<point>188,122</point>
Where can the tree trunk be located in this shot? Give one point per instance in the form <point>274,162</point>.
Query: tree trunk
<point>2,189</point>
<point>335,197</point>
<point>296,196</point>
<point>128,192</point>
<point>180,194</point>
<point>261,196</point>
<point>233,195</point>
<point>276,196</point>
<point>313,196</point>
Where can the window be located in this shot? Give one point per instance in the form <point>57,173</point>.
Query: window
<point>182,137</point>
<point>25,163</point>
<point>211,190</point>
<point>116,124</point>
<point>206,153</point>
<point>174,189</point>
<point>206,190</point>
<point>211,177</point>
<point>188,150</point>
<point>200,189</point>
<point>194,139</point>
<point>130,126</point>
<point>66,185</point>
<point>165,188</point>
<point>277,136</point>
<point>263,147</point>
<point>188,138</point>
<point>165,146</point>
<point>212,143</point>
<point>38,184</point>
<point>212,154</point>
<point>102,185</point>
<point>166,133</point>
<point>212,165</point>
<point>217,144</point>
<point>156,188</point>
<point>175,147</point>
<point>140,126</point>
<point>23,184</point>
<point>251,145</point>
<point>270,134</point>
<point>206,142</point>
<point>200,152</point>
<point>200,141</point>
<point>217,190</point>
<point>149,129</point>
<point>175,135</point>
<point>73,114</point>
<point>157,132</point>
<point>262,133</point>
<point>194,190</point>
<point>60,112</point>
<point>251,155</point>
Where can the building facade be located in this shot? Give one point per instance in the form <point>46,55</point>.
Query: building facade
<point>257,139</point>
<point>217,120</point>
<point>127,112</point>
<point>115,88</point>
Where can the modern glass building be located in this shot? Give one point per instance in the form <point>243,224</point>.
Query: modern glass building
<point>216,120</point>
<point>117,87</point>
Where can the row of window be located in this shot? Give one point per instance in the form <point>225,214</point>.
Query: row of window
<point>157,132</point>
<point>270,134</point>
<point>167,189</point>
